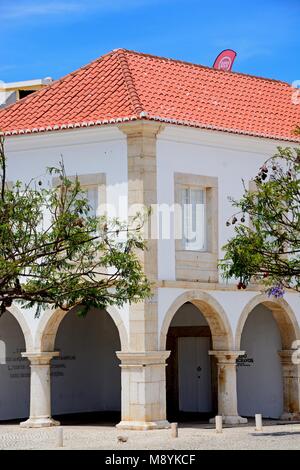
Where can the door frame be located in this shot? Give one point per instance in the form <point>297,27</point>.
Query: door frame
<point>172,382</point>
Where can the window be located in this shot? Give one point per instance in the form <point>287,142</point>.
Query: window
<point>24,93</point>
<point>193,219</point>
<point>196,227</point>
<point>94,187</point>
<point>92,195</point>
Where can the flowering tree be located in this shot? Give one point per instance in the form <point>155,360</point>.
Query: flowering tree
<point>68,258</point>
<point>266,244</point>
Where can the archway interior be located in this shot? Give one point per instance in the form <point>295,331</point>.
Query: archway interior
<point>14,371</point>
<point>259,372</point>
<point>191,372</point>
<point>85,378</point>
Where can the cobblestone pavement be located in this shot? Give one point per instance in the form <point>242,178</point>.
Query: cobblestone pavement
<point>191,437</point>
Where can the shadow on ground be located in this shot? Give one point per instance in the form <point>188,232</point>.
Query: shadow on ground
<point>275,434</point>
<point>184,420</point>
<point>101,418</point>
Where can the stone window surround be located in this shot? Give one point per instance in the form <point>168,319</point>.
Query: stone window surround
<point>92,179</point>
<point>199,265</point>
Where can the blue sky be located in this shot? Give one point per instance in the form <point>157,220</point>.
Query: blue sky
<point>54,37</point>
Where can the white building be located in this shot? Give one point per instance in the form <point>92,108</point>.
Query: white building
<point>15,91</point>
<point>148,130</point>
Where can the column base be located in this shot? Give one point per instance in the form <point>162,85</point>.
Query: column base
<point>231,420</point>
<point>143,425</point>
<point>290,417</point>
<point>39,423</point>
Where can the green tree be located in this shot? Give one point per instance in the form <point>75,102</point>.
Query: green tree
<point>266,244</point>
<point>54,253</point>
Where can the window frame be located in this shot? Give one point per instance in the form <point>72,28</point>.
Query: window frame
<point>198,188</point>
<point>97,180</point>
<point>199,265</point>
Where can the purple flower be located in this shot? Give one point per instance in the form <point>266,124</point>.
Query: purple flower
<point>276,291</point>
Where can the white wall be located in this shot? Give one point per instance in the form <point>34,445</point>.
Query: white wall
<point>14,371</point>
<point>92,340</point>
<point>84,151</point>
<point>87,376</point>
<point>103,150</point>
<point>229,157</point>
<point>7,97</point>
<point>259,385</point>
<point>179,149</point>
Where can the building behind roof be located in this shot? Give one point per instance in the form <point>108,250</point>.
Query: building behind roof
<point>14,91</point>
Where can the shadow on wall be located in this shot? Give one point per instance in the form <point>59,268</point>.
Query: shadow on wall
<point>259,372</point>
<point>14,370</point>
<point>86,377</point>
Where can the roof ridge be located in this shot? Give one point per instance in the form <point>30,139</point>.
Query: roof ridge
<point>125,85</point>
<point>59,80</point>
<point>134,96</point>
<point>128,78</point>
<point>185,62</point>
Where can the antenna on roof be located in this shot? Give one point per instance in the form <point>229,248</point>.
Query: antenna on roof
<point>225,60</point>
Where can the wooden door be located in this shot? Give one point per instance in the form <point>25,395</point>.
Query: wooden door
<point>194,375</point>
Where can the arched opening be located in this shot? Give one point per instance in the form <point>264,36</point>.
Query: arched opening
<point>14,370</point>
<point>85,377</point>
<point>265,328</point>
<point>193,325</point>
<point>191,379</point>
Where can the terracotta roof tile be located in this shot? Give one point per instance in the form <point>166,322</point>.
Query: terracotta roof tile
<point>129,85</point>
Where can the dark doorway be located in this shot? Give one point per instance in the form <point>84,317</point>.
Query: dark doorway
<point>191,373</point>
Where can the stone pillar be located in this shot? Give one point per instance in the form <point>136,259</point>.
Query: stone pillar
<point>143,367</point>
<point>142,193</point>
<point>40,390</point>
<point>227,389</point>
<point>143,390</point>
<point>291,385</point>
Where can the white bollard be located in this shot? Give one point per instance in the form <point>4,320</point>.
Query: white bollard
<point>174,429</point>
<point>258,423</point>
<point>219,424</point>
<point>59,437</point>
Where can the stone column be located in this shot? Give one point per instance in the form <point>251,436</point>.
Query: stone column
<point>227,389</point>
<point>142,193</point>
<point>143,367</point>
<point>291,384</point>
<point>40,390</point>
<point>143,390</point>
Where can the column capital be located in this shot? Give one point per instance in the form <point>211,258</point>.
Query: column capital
<point>289,357</point>
<point>40,357</point>
<point>141,127</point>
<point>141,359</point>
<point>226,357</point>
<point>286,353</point>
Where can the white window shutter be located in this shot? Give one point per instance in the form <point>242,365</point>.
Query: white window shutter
<point>92,196</point>
<point>194,219</point>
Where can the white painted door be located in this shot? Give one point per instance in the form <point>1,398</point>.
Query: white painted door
<point>194,374</point>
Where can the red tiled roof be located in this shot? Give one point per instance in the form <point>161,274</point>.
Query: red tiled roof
<point>125,85</point>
